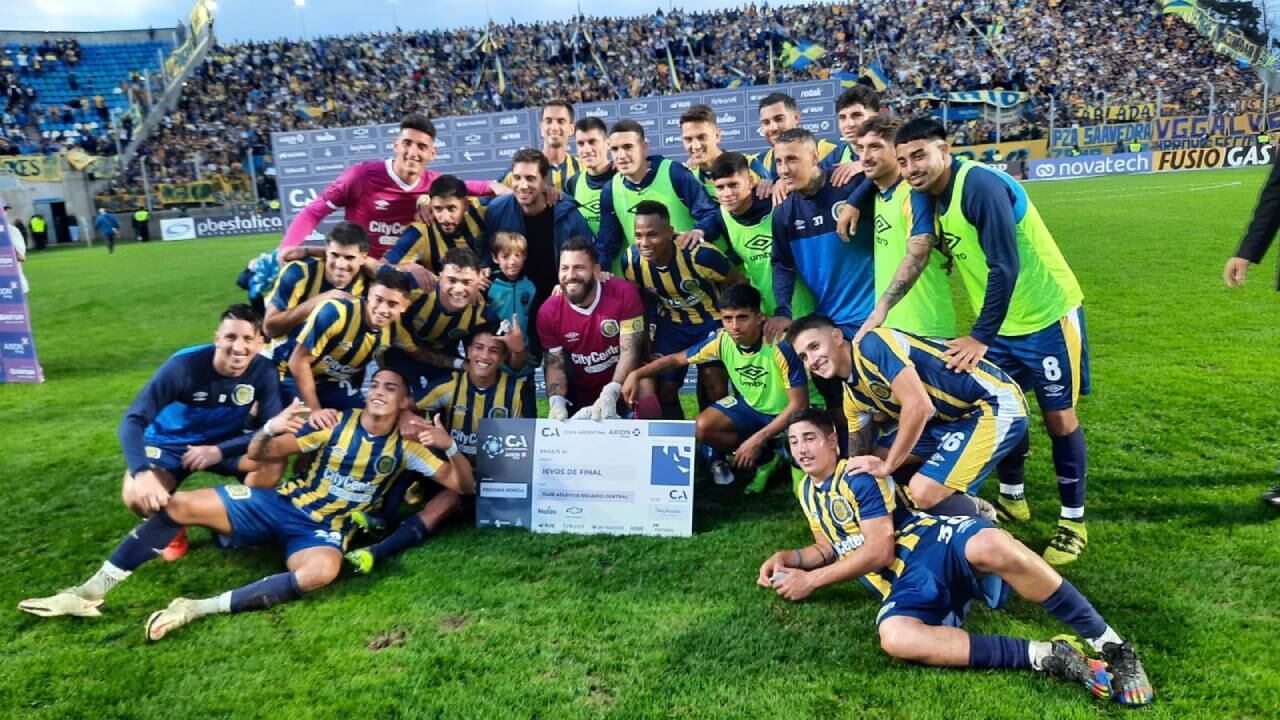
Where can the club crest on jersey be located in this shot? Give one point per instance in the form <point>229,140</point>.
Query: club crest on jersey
<point>385,465</point>
<point>242,395</point>
<point>835,209</point>
<point>609,327</point>
<point>882,391</point>
<point>841,510</point>
<point>689,286</point>
<point>499,412</point>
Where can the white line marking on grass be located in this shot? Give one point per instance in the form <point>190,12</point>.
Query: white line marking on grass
<point>1142,190</point>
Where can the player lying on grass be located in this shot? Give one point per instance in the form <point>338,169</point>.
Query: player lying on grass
<point>194,415</point>
<point>954,427</point>
<point>927,570</point>
<point>457,405</point>
<point>357,459</point>
<point>768,382</point>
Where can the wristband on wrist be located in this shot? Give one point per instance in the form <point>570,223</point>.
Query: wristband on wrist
<point>266,429</point>
<point>451,450</point>
<point>799,560</point>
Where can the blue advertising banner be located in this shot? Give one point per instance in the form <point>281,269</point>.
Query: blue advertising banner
<point>1090,165</point>
<point>636,480</point>
<point>18,363</point>
<point>479,147</point>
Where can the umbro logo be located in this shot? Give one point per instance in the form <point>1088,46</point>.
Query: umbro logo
<point>759,242</point>
<point>752,372</point>
<point>882,225</point>
<point>381,204</point>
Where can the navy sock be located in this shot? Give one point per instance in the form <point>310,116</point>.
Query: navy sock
<point>390,512</point>
<point>999,651</point>
<point>710,454</point>
<point>1012,468</point>
<point>410,533</point>
<point>1071,461</point>
<point>955,504</point>
<point>262,594</point>
<point>145,541</point>
<point>1075,611</point>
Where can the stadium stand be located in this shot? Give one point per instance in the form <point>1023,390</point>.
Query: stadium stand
<point>1070,52</point>
<point>68,91</point>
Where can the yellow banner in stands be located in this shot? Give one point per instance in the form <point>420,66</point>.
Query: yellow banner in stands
<point>218,189</point>
<point>33,168</point>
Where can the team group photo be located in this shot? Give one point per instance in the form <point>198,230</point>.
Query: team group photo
<point>883,359</point>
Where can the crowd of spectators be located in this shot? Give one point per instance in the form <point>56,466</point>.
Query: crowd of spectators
<point>1073,51</point>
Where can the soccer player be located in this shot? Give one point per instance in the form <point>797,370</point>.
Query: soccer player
<point>303,285</point>
<point>358,458</point>
<point>841,273</point>
<point>746,220</point>
<point>456,407</point>
<point>545,226</point>
<point>194,415</point>
<point>593,332</point>
<point>555,126</point>
<point>456,220</point>
<point>438,320</point>
<point>1030,320</point>
<point>903,228</point>
<point>340,339</point>
<point>642,177</point>
<point>684,285</point>
<point>701,138</point>
<point>854,106</point>
<point>381,196</point>
<point>591,137</point>
<point>926,570</point>
<point>768,381</point>
<point>958,425</point>
<point>778,114</point>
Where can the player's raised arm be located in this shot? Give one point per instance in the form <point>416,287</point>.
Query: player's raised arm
<point>278,440</point>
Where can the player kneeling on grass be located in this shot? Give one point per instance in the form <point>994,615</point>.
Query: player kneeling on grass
<point>768,380</point>
<point>953,428</point>
<point>928,569</point>
<point>194,415</point>
<point>357,459</point>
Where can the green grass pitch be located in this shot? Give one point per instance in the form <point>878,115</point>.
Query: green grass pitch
<point>1182,558</point>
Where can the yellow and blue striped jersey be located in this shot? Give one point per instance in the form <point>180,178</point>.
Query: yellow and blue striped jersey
<point>342,343</point>
<point>560,173</point>
<point>352,470</point>
<point>884,352</point>
<point>836,506</point>
<point>686,290</point>
<point>426,243</point>
<point>435,327</point>
<point>462,405</point>
<point>298,282</point>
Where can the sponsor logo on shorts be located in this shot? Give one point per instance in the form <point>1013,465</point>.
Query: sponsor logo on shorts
<point>236,491</point>
<point>152,452</point>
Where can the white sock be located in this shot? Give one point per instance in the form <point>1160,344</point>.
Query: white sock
<point>1070,513</point>
<point>1013,491</point>
<point>214,605</point>
<point>97,586</point>
<point>1039,650</point>
<point>1108,636</point>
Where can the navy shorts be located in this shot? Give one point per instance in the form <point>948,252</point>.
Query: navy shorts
<point>333,395</point>
<point>261,517</point>
<point>671,338</point>
<point>937,583</point>
<point>961,454</point>
<point>747,420</point>
<point>1054,361</point>
<point>169,457</point>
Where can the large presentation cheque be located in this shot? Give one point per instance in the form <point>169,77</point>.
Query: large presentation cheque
<point>620,477</point>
